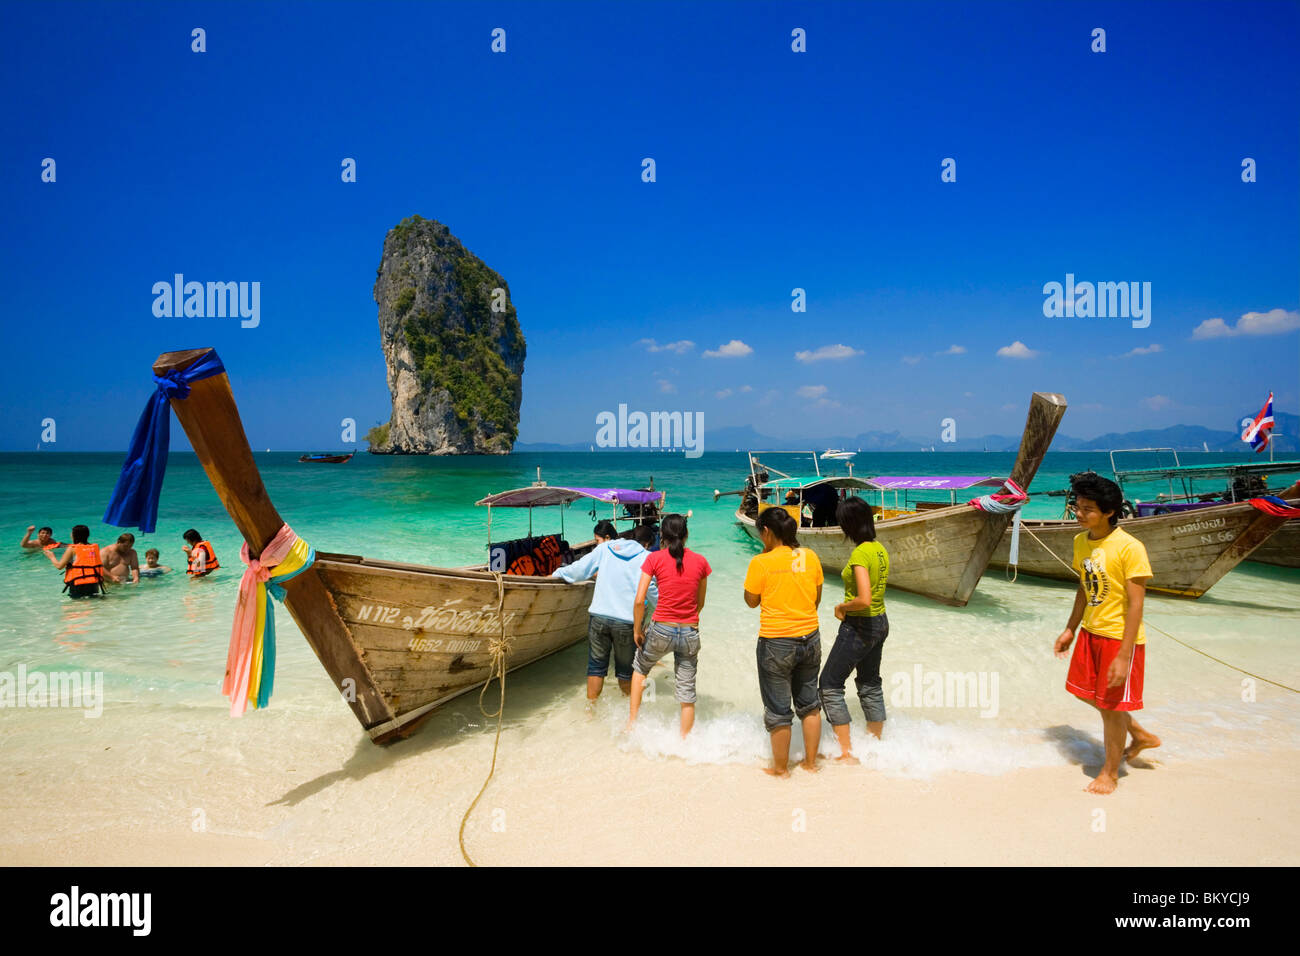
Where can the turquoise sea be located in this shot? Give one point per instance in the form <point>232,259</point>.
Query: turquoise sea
<point>161,645</point>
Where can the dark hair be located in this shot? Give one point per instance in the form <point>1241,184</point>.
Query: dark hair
<point>781,524</point>
<point>605,528</point>
<point>1103,491</point>
<point>192,536</point>
<point>80,534</point>
<point>126,537</point>
<point>672,532</point>
<point>48,530</point>
<point>854,517</point>
<point>150,551</point>
<point>643,535</point>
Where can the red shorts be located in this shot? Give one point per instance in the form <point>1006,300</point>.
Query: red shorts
<point>1088,667</point>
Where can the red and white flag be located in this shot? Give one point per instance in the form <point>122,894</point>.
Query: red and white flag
<point>1257,432</point>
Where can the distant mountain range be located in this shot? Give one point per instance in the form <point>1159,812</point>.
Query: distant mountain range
<point>1286,440</point>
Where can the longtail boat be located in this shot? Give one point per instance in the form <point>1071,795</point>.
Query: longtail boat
<point>1192,539</point>
<point>322,458</point>
<point>1242,481</point>
<point>938,552</point>
<point>399,640</point>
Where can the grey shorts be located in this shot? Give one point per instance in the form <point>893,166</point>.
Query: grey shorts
<point>684,641</point>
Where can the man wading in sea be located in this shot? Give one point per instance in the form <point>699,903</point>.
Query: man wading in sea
<point>120,560</point>
<point>1107,668</point>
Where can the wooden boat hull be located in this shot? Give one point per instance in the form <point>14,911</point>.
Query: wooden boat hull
<point>941,553</point>
<point>1282,549</point>
<point>938,554</point>
<point>1189,551</point>
<point>424,634</point>
<point>396,639</point>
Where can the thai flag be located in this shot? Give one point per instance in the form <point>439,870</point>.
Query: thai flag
<point>1257,432</point>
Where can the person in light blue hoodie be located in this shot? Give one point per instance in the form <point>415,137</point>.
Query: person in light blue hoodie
<point>616,564</point>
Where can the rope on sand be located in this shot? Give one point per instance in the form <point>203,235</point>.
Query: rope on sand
<point>1155,627</point>
<point>498,648</point>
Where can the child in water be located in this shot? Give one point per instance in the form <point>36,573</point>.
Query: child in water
<point>152,568</point>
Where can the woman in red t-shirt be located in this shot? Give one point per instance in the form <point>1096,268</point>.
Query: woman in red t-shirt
<point>681,576</point>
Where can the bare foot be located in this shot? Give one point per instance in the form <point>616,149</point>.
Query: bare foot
<point>628,727</point>
<point>810,766</point>
<point>773,772</point>
<point>1103,784</point>
<point>847,758</point>
<point>1141,742</point>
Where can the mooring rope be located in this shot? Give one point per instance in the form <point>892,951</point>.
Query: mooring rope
<point>498,648</point>
<point>1147,621</point>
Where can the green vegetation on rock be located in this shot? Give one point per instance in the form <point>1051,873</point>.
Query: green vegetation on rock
<point>378,435</point>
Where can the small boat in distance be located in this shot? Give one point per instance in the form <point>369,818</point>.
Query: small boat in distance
<point>837,454</point>
<point>402,639</point>
<point>327,458</point>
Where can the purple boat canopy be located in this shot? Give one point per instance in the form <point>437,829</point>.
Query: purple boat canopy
<point>934,482</point>
<point>539,496</point>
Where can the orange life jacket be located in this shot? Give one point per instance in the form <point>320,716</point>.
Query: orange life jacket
<point>210,557</point>
<point>86,568</point>
<point>51,546</point>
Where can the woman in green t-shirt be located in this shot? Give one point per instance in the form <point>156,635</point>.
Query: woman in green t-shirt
<point>863,629</point>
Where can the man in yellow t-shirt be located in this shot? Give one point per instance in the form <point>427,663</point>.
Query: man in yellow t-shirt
<point>785,582</point>
<point>1108,664</point>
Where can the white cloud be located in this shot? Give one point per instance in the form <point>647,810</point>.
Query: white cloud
<point>1010,407</point>
<point>667,386</point>
<point>746,388</point>
<point>827,403</point>
<point>1273,322</point>
<point>1157,402</point>
<point>812,391</point>
<point>911,359</point>
<point>685,345</point>
<point>724,393</point>
<point>827,352</point>
<point>733,349</point>
<point>1017,350</point>
<point>1144,350</point>
<point>953,350</point>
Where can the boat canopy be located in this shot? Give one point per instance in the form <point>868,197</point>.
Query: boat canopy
<point>539,496</point>
<point>933,482</point>
<point>795,483</point>
<point>1221,470</point>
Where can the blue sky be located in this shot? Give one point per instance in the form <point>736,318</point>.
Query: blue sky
<point>775,170</point>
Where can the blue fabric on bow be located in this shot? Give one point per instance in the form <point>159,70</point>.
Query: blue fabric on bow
<point>135,498</point>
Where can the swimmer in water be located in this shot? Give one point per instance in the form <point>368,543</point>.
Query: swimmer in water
<point>44,539</point>
<point>120,560</point>
<point>152,569</point>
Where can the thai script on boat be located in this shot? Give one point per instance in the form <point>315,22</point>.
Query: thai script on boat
<point>80,689</point>
<point>670,430</point>
<point>213,300</point>
<point>1202,525</point>
<point>444,619</point>
<point>1105,300</point>
<point>950,689</point>
<point>915,547</point>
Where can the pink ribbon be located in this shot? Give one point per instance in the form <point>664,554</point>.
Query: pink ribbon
<point>239,660</point>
